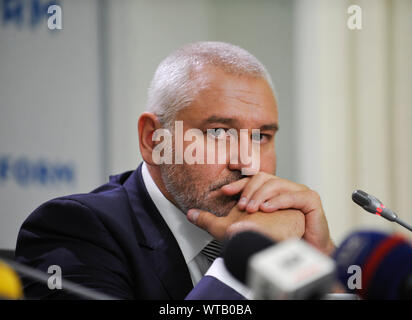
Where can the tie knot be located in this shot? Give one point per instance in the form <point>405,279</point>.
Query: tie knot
<point>212,250</point>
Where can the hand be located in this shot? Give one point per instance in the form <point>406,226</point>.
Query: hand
<point>279,226</point>
<point>269,193</point>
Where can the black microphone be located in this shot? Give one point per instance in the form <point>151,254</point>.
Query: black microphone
<point>375,206</point>
<point>383,263</point>
<point>238,250</point>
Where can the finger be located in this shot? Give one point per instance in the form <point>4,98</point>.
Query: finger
<point>309,203</point>
<point>305,201</point>
<point>234,187</point>
<point>255,183</point>
<point>271,189</point>
<point>208,222</point>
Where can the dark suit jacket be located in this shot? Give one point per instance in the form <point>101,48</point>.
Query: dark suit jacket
<point>114,240</point>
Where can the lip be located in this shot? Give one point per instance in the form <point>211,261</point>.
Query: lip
<point>218,187</point>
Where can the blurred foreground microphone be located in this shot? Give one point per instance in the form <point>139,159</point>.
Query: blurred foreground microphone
<point>375,206</point>
<point>10,285</point>
<point>291,269</point>
<point>376,265</point>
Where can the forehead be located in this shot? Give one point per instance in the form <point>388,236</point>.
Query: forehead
<point>249,101</point>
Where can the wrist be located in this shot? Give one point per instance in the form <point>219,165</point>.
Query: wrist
<point>329,248</point>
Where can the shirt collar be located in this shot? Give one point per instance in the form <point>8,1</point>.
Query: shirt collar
<point>191,239</point>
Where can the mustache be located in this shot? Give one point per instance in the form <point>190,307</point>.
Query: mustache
<point>217,185</point>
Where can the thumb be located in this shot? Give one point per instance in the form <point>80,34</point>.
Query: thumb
<point>208,222</point>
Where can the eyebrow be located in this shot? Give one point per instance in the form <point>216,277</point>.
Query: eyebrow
<point>271,126</point>
<point>230,121</point>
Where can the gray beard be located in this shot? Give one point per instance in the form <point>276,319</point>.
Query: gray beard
<point>188,194</point>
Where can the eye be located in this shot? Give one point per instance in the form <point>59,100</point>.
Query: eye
<point>259,137</point>
<point>217,133</point>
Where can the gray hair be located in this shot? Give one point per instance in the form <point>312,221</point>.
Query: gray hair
<point>174,85</point>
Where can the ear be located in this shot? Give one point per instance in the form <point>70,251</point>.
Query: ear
<point>147,124</point>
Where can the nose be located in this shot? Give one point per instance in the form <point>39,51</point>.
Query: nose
<point>245,157</point>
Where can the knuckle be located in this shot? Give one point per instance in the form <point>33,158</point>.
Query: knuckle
<point>314,195</point>
<point>260,174</point>
<point>270,184</point>
<point>239,226</point>
<point>230,231</point>
<point>246,179</point>
<point>247,191</point>
<point>233,229</point>
<point>256,196</point>
<point>201,220</point>
<point>242,181</point>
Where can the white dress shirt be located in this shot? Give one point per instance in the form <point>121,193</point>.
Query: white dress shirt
<point>191,239</point>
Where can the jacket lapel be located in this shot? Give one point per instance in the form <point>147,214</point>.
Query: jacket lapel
<point>155,236</point>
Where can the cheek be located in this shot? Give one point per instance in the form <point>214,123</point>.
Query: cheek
<point>268,160</point>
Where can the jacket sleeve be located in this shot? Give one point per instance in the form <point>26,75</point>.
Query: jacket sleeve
<point>66,233</point>
<point>210,288</point>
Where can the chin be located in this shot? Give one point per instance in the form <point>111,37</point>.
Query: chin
<point>222,210</point>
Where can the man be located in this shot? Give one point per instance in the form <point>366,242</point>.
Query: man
<point>148,234</point>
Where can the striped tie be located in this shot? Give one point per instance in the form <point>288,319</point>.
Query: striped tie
<point>212,250</point>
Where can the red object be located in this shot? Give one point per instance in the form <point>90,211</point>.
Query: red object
<point>375,259</point>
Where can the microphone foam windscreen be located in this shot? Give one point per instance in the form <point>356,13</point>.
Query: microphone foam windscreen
<point>237,251</point>
<point>385,262</point>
